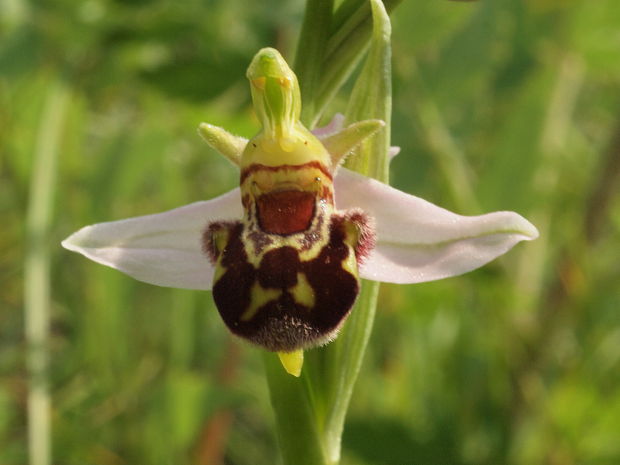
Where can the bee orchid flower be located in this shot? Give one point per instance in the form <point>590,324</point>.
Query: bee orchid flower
<point>284,252</point>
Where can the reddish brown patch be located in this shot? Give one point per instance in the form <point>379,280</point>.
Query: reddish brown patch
<point>258,167</point>
<point>285,212</point>
<point>335,288</point>
<point>278,268</point>
<point>232,292</point>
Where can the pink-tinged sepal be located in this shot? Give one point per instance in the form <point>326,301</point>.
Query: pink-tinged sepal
<point>162,249</point>
<point>417,241</point>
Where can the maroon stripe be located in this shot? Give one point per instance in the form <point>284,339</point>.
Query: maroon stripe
<point>258,167</point>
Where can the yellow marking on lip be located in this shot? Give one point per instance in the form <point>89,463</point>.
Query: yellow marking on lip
<point>350,263</point>
<point>219,272</point>
<point>303,292</point>
<point>220,239</point>
<point>351,237</point>
<point>259,296</point>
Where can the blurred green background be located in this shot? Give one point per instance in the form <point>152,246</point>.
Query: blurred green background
<point>498,104</point>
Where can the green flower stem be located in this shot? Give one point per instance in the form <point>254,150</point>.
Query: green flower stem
<point>346,355</point>
<point>310,411</point>
<point>37,272</point>
<point>299,433</point>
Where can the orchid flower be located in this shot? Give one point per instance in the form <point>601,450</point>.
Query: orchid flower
<point>284,252</point>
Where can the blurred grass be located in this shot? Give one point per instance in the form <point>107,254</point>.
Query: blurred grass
<point>516,363</point>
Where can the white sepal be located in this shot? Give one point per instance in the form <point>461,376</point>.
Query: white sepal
<point>163,249</point>
<point>418,241</point>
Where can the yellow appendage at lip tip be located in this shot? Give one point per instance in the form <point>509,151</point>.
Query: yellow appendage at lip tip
<point>292,361</point>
